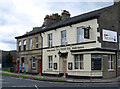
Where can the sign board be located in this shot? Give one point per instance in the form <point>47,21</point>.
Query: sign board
<point>110,36</point>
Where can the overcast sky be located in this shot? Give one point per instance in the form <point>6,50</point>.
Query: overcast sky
<point>19,16</point>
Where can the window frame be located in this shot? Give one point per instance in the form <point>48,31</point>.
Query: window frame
<point>92,58</point>
<point>33,63</point>
<point>50,62</point>
<point>36,42</point>
<point>63,37</point>
<point>19,44</point>
<point>80,38</point>
<point>50,38</point>
<point>79,60</point>
<point>24,45</point>
<point>111,65</point>
<point>30,44</point>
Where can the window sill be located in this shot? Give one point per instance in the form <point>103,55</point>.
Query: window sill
<point>33,68</point>
<point>111,70</point>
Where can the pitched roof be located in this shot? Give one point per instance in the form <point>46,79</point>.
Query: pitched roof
<point>66,22</point>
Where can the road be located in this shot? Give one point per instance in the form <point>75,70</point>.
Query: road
<point>8,81</point>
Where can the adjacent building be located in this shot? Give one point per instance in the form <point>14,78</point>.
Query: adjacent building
<point>29,52</point>
<point>86,45</point>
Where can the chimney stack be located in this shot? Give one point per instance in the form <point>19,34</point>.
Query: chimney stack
<point>48,20</point>
<point>65,14</point>
<point>116,1</point>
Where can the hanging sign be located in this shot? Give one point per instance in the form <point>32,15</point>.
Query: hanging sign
<point>110,36</point>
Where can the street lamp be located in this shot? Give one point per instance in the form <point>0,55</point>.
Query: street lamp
<point>59,53</point>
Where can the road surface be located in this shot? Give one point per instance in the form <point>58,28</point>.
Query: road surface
<point>8,81</point>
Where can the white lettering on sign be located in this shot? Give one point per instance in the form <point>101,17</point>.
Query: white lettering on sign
<point>110,36</point>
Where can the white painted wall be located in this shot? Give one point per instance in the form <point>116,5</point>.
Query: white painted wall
<point>71,33</point>
<point>71,39</point>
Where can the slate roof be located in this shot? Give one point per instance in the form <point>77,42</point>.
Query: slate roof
<point>66,22</point>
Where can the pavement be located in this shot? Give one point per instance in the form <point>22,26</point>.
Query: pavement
<point>111,80</point>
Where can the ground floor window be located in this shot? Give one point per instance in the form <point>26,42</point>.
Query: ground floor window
<point>33,63</point>
<point>78,62</point>
<point>96,62</point>
<point>50,62</point>
<point>111,59</point>
<point>22,61</point>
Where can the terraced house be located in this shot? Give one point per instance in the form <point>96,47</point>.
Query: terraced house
<point>29,52</point>
<point>86,45</point>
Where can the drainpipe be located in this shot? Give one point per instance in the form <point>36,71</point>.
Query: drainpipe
<point>41,52</point>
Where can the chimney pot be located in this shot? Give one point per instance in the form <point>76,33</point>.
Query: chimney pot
<point>65,14</point>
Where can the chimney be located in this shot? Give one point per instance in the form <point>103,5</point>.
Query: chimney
<point>48,20</point>
<point>116,1</point>
<point>65,14</point>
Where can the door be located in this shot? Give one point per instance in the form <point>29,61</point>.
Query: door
<point>105,66</point>
<point>18,66</point>
<point>64,67</point>
<point>40,67</point>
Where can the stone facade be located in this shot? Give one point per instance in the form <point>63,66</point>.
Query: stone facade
<point>28,55</point>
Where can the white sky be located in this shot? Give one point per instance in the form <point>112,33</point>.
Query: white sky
<point>19,16</point>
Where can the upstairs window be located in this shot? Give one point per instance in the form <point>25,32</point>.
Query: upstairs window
<point>19,45</point>
<point>80,34</point>
<point>30,44</point>
<point>36,42</point>
<point>24,45</point>
<point>63,37</point>
<point>50,40</point>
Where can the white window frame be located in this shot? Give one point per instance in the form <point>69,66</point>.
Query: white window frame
<point>50,37</point>
<point>19,44</point>
<point>30,44</point>
<point>24,44</point>
<point>36,42</point>
<point>79,62</point>
<point>33,62</point>
<point>63,37</point>
<point>50,62</point>
<point>80,35</point>
<point>111,62</point>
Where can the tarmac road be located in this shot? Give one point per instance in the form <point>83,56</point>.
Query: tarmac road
<point>8,81</point>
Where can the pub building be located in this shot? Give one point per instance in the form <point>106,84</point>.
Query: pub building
<point>86,45</point>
